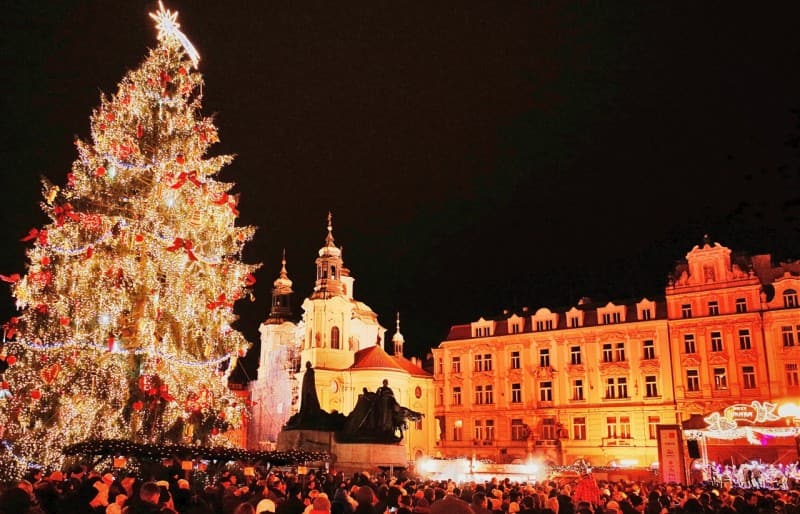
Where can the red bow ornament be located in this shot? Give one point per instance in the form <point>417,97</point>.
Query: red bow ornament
<point>183,177</point>
<point>185,244</point>
<point>36,233</point>
<point>63,212</point>
<point>221,302</point>
<point>11,330</point>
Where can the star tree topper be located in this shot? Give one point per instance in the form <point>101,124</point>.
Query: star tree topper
<point>168,27</point>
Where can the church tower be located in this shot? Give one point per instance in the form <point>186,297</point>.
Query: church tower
<point>274,389</point>
<point>336,325</point>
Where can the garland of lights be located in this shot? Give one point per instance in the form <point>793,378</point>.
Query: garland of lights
<point>125,448</point>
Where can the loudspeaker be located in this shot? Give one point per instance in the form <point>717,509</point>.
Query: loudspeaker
<point>694,449</point>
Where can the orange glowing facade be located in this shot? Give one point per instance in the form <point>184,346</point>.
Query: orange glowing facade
<point>594,381</point>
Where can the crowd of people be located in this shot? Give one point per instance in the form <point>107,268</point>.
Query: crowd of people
<point>80,490</point>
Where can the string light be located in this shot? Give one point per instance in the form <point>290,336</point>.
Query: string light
<point>127,304</point>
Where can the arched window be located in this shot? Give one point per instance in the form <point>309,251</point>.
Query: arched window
<point>335,338</point>
<point>790,298</point>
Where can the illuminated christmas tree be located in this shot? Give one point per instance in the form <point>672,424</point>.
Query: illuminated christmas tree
<point>125,311</point>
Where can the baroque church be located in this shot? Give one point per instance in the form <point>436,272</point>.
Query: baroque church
<point>344,342</point>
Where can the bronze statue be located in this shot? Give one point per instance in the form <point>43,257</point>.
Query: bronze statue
<point>377,418</point>
<point>311,416</point>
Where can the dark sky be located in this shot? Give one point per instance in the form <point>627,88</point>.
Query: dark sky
<point>476,155</point>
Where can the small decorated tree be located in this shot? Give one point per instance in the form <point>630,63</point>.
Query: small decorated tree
<point>125,311</point>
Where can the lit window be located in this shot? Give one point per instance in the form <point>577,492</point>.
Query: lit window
<point>335,338</point>
<point>688,343</point>
<point>649,349</point>
<point>716,341</point>
<point>544,358</point>
<point>549,428</point>
<point>652,426</point>
<point>611,427</point>
<point>579,428</point>
<point>787,334</point>
<point>479,395</point>
<point>575,355</point>
<point>616,387</point>
<point>519,430</point>
<point>625,427</point>
<point>744,339</point>
<point>478,430</point>
<point>490,430</point>
<point>792,375</point>
<point>516,393</point>
<point>458,430</point>
<point>720,378</point>
<point>748,377</point>
<point>651,386</point>
<point>577,389</point>
<point>546,391</point>
<point>692,380</point>
<point>608,352</point>
<point>620,352</point>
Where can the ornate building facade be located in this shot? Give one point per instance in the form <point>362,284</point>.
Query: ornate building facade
<point>342,339</point>
<point>593,382</point>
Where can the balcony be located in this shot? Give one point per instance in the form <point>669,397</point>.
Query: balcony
<point>546,443</point>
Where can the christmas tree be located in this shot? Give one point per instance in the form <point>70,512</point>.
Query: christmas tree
<point>125,310</point>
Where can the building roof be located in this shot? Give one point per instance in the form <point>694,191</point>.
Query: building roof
<point>375,357</point>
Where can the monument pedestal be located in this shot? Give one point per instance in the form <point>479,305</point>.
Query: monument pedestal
<point>346,457</point>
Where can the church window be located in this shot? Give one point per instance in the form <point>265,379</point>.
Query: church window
<point>335,338</point>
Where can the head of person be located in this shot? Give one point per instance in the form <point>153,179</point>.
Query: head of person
<point>150,492</point>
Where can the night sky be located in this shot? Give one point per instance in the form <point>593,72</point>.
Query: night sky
<point>475,155</point>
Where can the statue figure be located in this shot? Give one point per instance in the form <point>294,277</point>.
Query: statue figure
<point>311,416</point>
<point>377,418</point>
<point>385,407</point>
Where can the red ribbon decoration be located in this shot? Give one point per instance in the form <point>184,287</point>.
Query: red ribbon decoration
<point>11,329</point>
<point>219,303</point>
<point>229,200</point>
<point>185,244</point>
<point>89,253</point>
<point>183,177</point>
<point>63,212</point>
<point>11,279</point>
<point>34,233</point>
<point>249,280</point>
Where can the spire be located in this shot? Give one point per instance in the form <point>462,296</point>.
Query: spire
<point>282,292</point>
<point>398,339</point>
<point>329,267</point>
<point>329,239</point>
<point>283,282</point>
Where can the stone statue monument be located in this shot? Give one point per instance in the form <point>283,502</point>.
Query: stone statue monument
<point>311,416</point>
<point>377,418</point>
